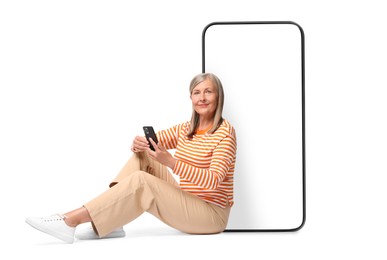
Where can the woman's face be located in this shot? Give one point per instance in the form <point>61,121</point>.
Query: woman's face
<point>205,99</point>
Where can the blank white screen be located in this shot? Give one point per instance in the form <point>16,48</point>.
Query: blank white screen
<point>260,67</point>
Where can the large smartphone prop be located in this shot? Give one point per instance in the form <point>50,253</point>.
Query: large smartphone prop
<point>261,66</point>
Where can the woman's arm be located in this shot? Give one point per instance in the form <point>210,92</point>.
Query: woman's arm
<point>161,155</point>
<point>167,140</point>
<point>223,158</point>
<point>168,137</point>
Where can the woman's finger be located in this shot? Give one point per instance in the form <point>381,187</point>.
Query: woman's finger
<point>155,146</point>
<point>140,140</point>
<point>140,144</point>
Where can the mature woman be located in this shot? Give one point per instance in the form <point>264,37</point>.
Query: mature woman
<point>204,160</point>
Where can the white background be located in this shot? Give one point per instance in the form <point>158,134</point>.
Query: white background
<point>72,75</point>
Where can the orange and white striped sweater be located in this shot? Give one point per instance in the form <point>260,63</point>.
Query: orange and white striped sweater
<point>205,163</point>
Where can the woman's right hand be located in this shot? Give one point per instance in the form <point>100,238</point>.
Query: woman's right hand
<point>140,144</point>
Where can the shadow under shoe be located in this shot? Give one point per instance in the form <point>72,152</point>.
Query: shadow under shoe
<point>89,234</point>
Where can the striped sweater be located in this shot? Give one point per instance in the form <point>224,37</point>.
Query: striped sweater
<point>205,163</point>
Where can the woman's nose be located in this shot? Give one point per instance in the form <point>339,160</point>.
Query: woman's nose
<point>202,97</point>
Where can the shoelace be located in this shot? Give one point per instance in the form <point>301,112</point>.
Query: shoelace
<point>56,217</point>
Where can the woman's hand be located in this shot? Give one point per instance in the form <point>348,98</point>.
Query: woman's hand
<point>161,155</point>
<point>140,144</point>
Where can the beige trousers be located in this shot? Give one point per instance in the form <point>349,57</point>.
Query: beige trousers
<point>144,185</point>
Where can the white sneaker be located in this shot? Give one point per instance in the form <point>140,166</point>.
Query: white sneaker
<point>53,225</point>
<point>88,234</point>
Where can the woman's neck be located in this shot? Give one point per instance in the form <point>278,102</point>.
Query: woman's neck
<point>204,124</point>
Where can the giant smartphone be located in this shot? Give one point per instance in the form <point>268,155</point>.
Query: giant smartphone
<point>261,66</point>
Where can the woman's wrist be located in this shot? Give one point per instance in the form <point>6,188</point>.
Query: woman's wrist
<point>172,163</point>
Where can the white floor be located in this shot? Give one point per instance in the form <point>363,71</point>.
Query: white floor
<point>147,238</point>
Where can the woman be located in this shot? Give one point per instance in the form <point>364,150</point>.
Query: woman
<point>204,160</point>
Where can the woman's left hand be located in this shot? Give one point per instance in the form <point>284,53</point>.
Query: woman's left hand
<point>161,155</point>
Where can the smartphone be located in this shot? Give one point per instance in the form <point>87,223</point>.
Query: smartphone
<point>150,132</point>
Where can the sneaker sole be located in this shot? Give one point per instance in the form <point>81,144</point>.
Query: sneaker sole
<point>114,234</point>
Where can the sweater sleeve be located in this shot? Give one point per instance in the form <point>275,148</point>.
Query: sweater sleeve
<point>222,158</point>
<point>168,137</point>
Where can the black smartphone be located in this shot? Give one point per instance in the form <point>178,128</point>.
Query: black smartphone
<point>150,132</point>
